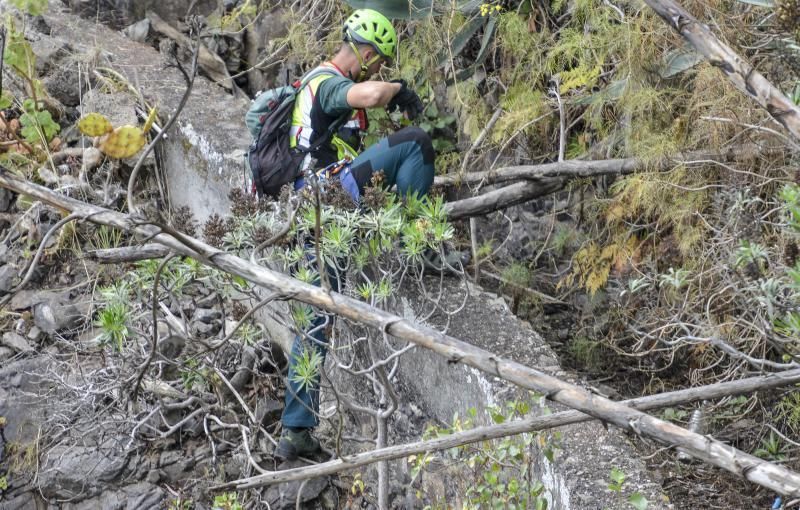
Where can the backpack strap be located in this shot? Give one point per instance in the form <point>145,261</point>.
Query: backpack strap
<point>335,125</point>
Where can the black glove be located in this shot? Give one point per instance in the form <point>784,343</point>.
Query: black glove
<point>407,100</point>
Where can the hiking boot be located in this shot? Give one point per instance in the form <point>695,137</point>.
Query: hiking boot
<point>454,261</point>
<point>296,444</point>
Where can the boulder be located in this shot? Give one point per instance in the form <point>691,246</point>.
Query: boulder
<point>16,342</point>
<point>51,317</point>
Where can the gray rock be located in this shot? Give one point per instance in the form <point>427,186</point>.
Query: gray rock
<point>63,83</point>
<point>284,496</point>
<point>5,353</point>
<point>8,275</point>
<point>35,334</point>
<point>25,299</point>
<point>74,471</point>
<point>6,199</point>
<point>48,51</point>
<point>203,329</point>
<point>144,495</point>
<point>138,31</point>
<point>50,317</point>
<point>16,342</point>
<point>268,411</point>
<point>207,315</point>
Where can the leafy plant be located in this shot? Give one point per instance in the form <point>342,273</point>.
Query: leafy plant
<point>674,279</point>
<point>38,125</point>
<point>113,322</point>
<point>616,478</point>
<point>307,368</point>
<point>771,448</point>
<point>751,253</point>
<point>227,501</point>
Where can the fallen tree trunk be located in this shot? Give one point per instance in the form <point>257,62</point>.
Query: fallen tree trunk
<point>478,434</point>
<point>501,198</point>
<point>773,476</point>
<point>743,75</point>
<point>593,168</point>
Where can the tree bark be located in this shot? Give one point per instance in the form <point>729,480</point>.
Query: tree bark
<point>775,477</point>
<point>128,254</point>
<point>478,434</point>
<point>501,198</point>
<point>594,168</point>
<point>743,75</point>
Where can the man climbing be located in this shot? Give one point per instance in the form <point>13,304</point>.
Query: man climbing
<point>338,97</point>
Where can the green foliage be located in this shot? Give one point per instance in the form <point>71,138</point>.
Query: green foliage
<point>104,238</point>
<point>674,279</point>
<point>18,52</point>
<point>617,478</point>
<point>789,409</point>
<point>6,100</point>
<point>638,501</point>
<point>307,368</point>
<point>751,253</point>
<point>771,448</point>
<point>180,503</point>
<point>195,375</point>
<point>227,501</point>
<point>113,322</point>
<point>32,7</point>
<point>500,468</point>
<point>672,414</point>
<point>790,194</point>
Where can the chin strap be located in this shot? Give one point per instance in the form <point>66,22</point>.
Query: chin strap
<point>364,65</point>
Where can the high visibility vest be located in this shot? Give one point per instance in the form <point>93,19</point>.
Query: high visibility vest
<point>302,131</point>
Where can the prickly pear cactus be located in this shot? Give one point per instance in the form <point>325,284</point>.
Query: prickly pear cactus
<point>94,124</point>
<point>123,142</point>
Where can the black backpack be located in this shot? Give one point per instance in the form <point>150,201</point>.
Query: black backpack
<point>272,162</point>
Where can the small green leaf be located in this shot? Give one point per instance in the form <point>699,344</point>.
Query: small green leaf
<point>638,501</point>
<point>6,100</point>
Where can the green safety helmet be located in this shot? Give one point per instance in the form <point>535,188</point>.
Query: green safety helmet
<point>366,26</point>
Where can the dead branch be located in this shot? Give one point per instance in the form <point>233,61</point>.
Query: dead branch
<point>775,477</point>
<point>743,75</point>
<point>581,168</point>
<point>127,254</point>
<point>710,392</point>
<point>502,198</point>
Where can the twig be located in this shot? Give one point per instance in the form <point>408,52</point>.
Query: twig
<point>532,424</point>
<point>40,250</point>
<point>154,337</point>
<point>772,476</point>
<point>237,396</point>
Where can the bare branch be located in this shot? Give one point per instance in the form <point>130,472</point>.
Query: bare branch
<point>710,392</point>
<point>759,471</point>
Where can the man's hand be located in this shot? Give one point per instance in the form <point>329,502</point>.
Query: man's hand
<point>406,100</point>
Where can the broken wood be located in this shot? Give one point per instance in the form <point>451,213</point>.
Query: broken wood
<point>478,434</point>
<point>773,476</point>
<point>128,254</point>
<point>739,72</point>
<point>501,198</point>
